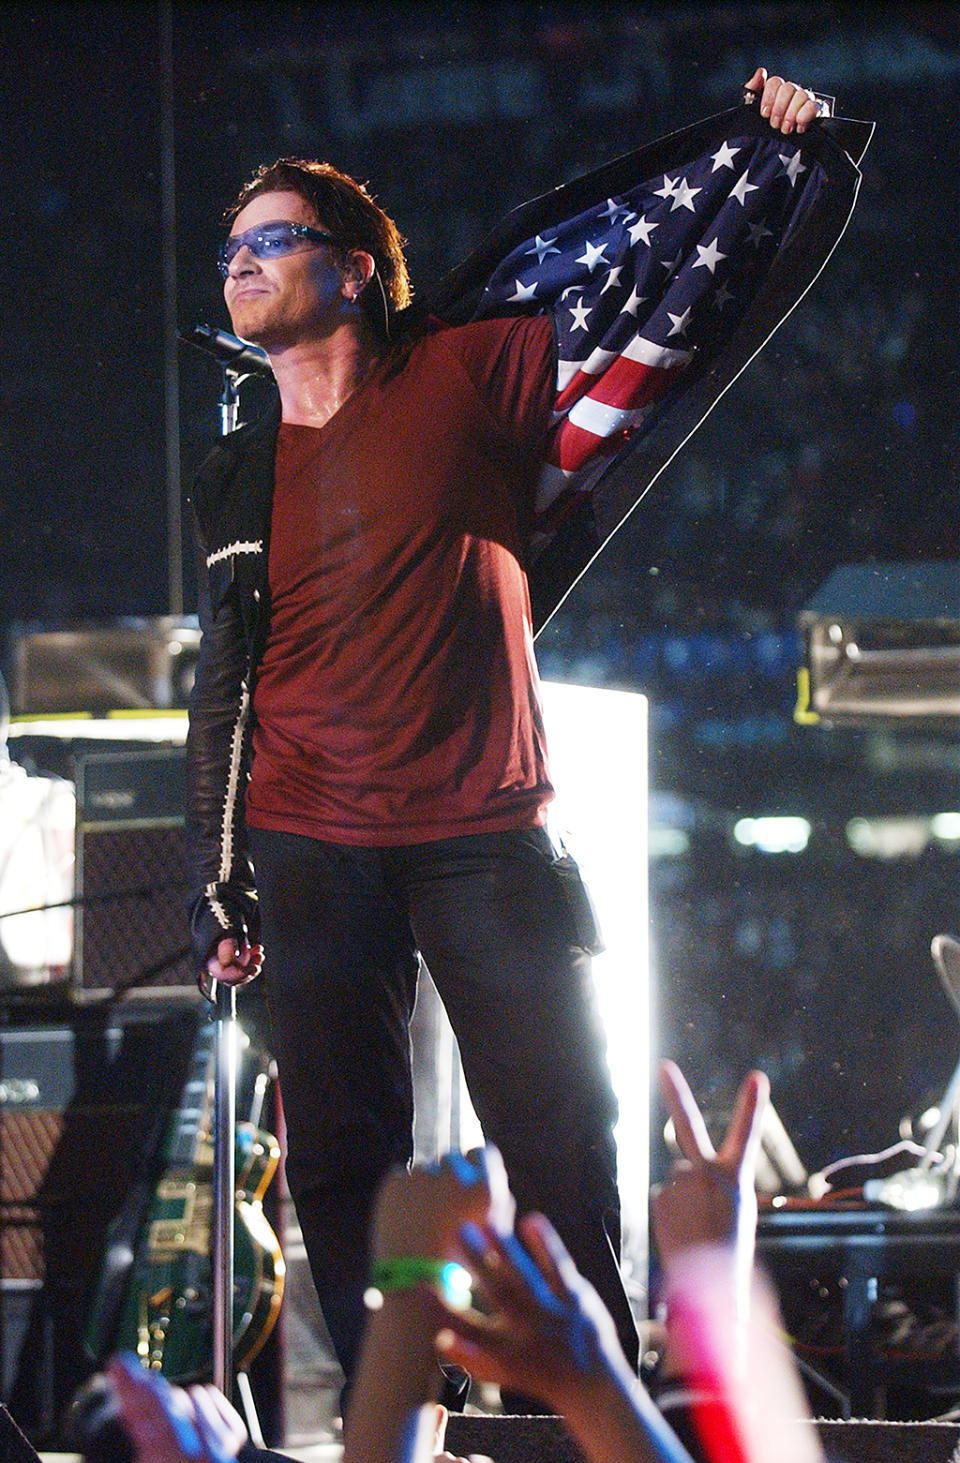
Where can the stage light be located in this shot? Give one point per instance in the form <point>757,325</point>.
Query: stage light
<point>945,827</point>
<point>888,838</point>
<point>115,726</point>
<point>882,641</point>
<point>912,1190</point>
<point>780,834</point>
<point>598,756</point>
<point>598,759</point>
<point>36,876</point>
<point>902,837</point>
<point>131,664</point>
<point>668,843</point>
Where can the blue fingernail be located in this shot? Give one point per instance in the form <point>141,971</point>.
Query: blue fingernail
<point>473,1236</point>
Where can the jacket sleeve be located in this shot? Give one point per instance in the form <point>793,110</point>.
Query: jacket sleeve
<point>222,898</point>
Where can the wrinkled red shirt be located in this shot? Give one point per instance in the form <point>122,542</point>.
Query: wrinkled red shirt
<point>398,700</point>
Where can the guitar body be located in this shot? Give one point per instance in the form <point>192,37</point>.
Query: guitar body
<point>160,1304</point>
<point>167,1317</point>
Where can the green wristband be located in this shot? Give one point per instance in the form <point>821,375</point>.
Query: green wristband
<point>405,1272</point>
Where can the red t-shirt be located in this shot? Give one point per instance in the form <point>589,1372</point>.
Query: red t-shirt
<point>398,701</point>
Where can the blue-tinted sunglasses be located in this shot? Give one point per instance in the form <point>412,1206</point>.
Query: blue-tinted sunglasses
<point>270,241</point>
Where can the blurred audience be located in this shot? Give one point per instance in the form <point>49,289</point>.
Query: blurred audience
<point>727,1378</point>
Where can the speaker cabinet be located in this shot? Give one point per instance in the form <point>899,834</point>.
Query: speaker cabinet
<point>131,926</point>
<point>86,1096</point>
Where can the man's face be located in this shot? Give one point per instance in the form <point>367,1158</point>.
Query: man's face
<point>277,303</point>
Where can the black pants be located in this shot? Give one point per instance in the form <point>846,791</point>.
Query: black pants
<point>342,927</point>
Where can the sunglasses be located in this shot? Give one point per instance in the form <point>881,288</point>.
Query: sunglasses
<point>270,241</point>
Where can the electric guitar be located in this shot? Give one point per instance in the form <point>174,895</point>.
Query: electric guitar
<point>159,1304</point>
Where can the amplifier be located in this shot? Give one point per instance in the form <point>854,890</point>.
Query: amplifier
<point>127,664</point>
<point>86,1096</point>
<point>36,1085</point>
<point>131,926</point>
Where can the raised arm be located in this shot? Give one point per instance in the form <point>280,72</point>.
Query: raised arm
<point>417,1223</point>
<point>167,1424</point>
<point>731,1384</point>
<point>547,1334</point>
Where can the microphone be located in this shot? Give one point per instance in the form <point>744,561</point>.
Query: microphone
<point>229,350</point>
<point>946,959</point>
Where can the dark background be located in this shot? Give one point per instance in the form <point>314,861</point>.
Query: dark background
<point>838,446</point>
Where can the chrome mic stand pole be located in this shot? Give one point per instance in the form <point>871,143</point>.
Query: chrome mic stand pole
<point>224,1099</point>
<point>224,1184</point>
<point>229,401</point>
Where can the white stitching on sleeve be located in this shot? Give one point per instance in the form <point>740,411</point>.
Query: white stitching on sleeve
<point>233,786</point>
<point>240,547</point>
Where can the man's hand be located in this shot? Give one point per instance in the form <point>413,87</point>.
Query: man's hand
<point>170,1424</point>
<point>787,106</point>
<point>704,1223</point>
<point>422,1212</point>
<point>547,1334</point>
<point>710,1197</point>
<point>234,963</point>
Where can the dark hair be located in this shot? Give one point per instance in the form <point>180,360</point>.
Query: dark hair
<point>344,207</point>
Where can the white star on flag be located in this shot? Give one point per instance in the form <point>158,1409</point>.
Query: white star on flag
<point>523,292</point>
<point>710,256</point>
<point>680,322</point>
<point>684,196</point>
<point>759,231</point>
<point>593,256</point>
<point>668,189</point>
<point>615,210</point>
<point>542,247</point>
<point>633,304</point>
<point>579,313</point>
<point>792,165</point>
<point>724,157</point>
<point>641,231</point>
<point>741,188</point>
<point>613,279</point>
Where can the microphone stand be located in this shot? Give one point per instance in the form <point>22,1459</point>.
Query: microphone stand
<point>236,367</point>
<point>229,400</point>
<point>926,1187</point>
<point>238,359</point>
<point>224,1182</point>
<point>948,1113</point>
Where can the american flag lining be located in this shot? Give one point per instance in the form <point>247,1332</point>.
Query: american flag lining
<point>642,285</point>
